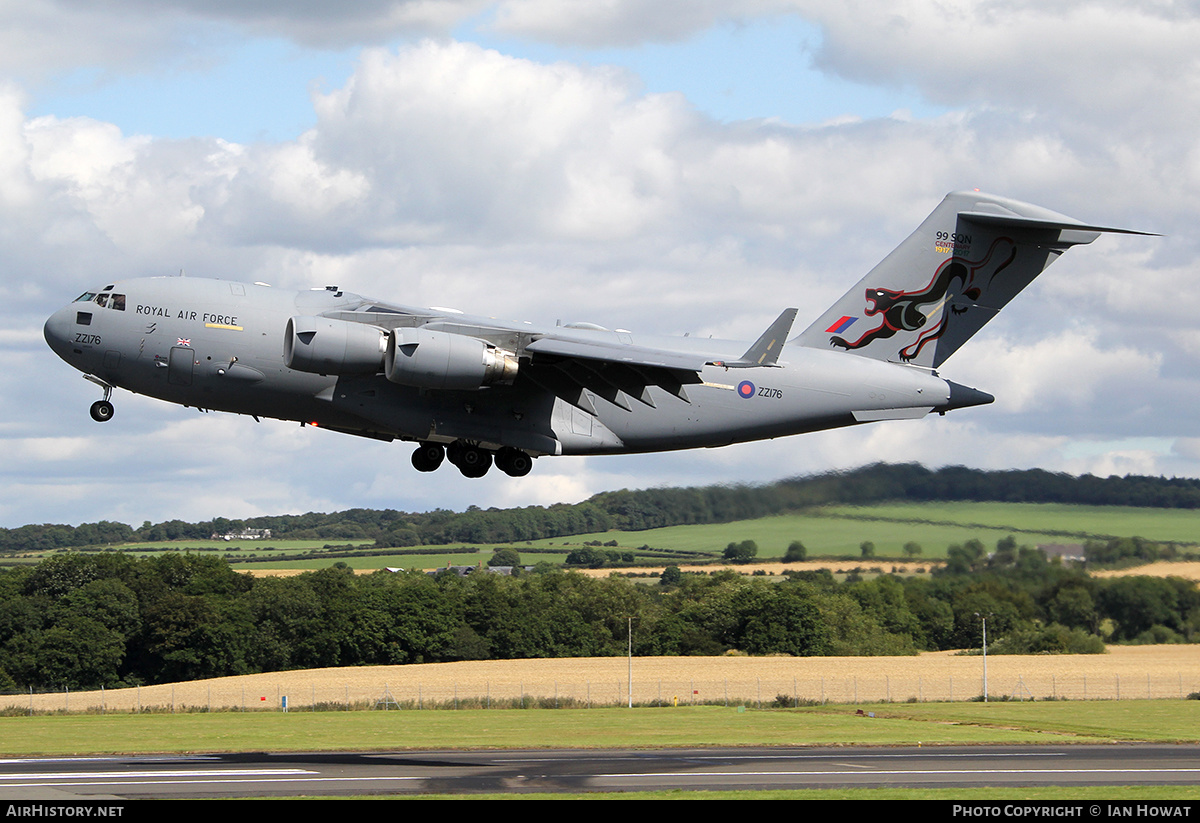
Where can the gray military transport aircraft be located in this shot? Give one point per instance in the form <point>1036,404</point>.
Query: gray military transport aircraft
<point>479,391</point>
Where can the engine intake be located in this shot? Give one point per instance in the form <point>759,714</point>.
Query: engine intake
<point>324,346</point>
<point>438,360</point>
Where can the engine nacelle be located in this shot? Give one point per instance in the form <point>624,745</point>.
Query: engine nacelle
<point>325,346</point>
<point>438,360</point>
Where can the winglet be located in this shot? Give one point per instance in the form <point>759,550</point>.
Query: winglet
<point>766,349</point>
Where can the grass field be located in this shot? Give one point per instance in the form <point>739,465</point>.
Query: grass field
<point>835,532</point>
<point>1096,522</point>
<point>838,531</point>
<point>929,724</point>
<point>684,726</point>
<point>1175,669</point>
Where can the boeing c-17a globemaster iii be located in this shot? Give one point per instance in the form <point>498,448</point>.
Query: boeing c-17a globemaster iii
<point>479,391</point>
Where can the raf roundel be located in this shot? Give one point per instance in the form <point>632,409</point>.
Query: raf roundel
<point>745,389</point>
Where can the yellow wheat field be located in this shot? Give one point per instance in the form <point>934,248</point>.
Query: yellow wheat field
<point>1188,570</point>
<point>1124,673</point>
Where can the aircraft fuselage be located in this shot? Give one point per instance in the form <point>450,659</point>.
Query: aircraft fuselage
<point>220,345</point>
<point>480,391</point>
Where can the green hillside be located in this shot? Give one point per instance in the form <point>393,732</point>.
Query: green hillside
<point>840,530</point>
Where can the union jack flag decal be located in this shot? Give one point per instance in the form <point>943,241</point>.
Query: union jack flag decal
<point>183,342</point>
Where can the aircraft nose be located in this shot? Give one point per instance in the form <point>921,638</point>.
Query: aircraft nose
<point>57,331</point>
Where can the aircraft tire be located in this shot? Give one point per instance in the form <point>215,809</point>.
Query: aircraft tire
<point>102,411</point>
<point>514,462</point>
<point>474,461</point>
<point>428,457</point>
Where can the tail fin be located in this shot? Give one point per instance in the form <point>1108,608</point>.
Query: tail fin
<point>949,278</point>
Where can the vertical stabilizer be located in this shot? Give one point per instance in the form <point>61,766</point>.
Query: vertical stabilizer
<point>972,255</point>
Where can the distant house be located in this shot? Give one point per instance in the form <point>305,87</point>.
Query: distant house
<point>463,571</point>
<point>244,534</point>
<point>1066,552</point>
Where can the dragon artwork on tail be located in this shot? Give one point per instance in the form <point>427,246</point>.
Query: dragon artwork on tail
<point>905,311</point>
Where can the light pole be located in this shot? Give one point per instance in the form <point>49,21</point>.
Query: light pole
<point>985,688</point>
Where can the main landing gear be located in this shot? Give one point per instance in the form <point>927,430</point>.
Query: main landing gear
<point>472,460</point>
<point>101,410</point>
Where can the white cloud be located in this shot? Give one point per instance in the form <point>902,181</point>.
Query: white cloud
<point>443,173</point>
<point>1105,61</point>
<point>1066,369</point>
<point>45,39</point>
<point>620,22</point>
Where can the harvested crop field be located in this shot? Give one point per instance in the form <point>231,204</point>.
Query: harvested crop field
<point>905,567</point>
<point>1135,672</point>
<point>1189,570</point>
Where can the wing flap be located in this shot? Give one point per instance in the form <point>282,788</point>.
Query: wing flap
<point>617,352</point>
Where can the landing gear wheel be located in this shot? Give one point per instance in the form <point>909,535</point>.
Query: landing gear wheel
<point>473,461</point>
<point>428,457</point>
<point>514,462</point>
<point>102,411</point>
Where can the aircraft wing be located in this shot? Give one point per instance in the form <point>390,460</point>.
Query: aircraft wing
<point>616,352</point>
<point>572,368</point>
<point>577,363</point>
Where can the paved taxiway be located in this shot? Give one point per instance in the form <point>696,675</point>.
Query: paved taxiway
<point>337,773</point>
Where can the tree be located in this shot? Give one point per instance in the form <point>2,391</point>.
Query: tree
<point>912,549</point>
<point>742,552</point>
<point>671,576</point>
<point>587,556</point>
<point>795,552</point>
<point>505,557</point>
<point>867,548</point>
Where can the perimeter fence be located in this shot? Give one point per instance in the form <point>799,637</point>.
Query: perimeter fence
<point>292,692</point>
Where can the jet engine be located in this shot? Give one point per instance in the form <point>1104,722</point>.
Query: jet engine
<point>438,360</point>
<point>325,346</point>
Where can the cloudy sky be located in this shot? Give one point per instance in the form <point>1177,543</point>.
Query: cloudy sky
<point>669,167</point>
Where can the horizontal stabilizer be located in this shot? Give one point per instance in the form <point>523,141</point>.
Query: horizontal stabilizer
<point>987,218</point>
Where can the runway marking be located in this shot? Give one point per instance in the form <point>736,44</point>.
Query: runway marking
<point>193,773</point>
<point>297,779</point>
<point>643,758</point>
<point>901,772</point>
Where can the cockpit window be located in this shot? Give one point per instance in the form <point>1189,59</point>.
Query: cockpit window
<point>104,300</point>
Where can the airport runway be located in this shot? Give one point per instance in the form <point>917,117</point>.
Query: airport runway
<point>459,772</point>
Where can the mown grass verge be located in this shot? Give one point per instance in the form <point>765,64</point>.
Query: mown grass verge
<point>893,724</point>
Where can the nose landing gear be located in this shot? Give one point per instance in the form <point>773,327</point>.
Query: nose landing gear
<point>101,410</point>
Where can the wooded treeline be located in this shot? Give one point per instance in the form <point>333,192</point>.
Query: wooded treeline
<point>83,620</point>
<point>644,509</point>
